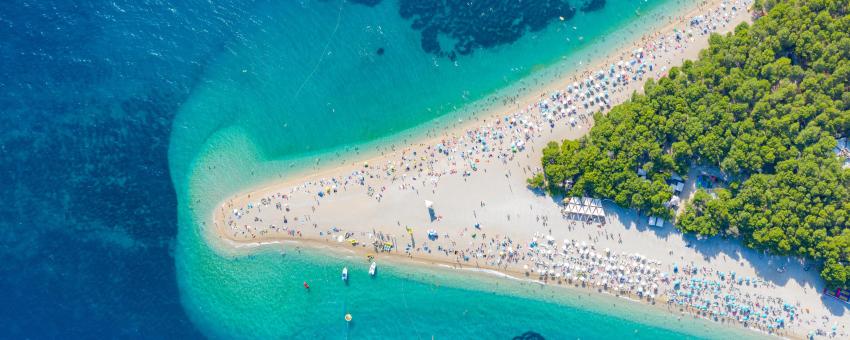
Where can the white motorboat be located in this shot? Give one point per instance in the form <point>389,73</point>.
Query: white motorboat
<point>345,274</point>
<point>372,268</point>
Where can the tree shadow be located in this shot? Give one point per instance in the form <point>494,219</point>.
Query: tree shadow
<point>778,270</point>
<point>538,192</point>
<point>631,219</point>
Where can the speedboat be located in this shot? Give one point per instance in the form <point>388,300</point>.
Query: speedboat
<point>373,268</point>
<point>345,274</point>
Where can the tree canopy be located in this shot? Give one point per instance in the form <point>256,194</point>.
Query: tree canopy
<point>765,105</point>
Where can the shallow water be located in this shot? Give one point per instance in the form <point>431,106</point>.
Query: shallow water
<point>413,302</point>
<point>305,78</point>
<point>125,119</point>
<point>313,88</point>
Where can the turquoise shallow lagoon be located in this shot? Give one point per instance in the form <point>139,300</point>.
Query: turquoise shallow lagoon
<point>267,301</point>
<point>304,81</point>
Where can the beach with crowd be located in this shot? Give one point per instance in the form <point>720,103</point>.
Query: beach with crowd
<point>458,197</point>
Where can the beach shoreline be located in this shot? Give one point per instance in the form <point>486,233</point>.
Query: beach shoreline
<point>358,212</point>
<point>469,116</point>
<point>484,273</point>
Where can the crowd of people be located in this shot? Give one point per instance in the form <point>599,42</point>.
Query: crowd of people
<point>698,290</point>
<point>502,139</point>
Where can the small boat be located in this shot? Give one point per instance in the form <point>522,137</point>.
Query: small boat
<point>345,274</point>
<point>372,268</point>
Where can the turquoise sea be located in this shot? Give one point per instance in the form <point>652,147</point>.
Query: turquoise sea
<point>306,83</point>
<point>125,122</point>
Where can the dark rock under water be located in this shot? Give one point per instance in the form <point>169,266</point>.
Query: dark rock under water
<point>592,5</point>
<point>449,28</point>
<point>459,27</point>
<point>529,336</point>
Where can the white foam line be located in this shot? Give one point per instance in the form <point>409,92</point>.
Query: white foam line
<point>493,272</point>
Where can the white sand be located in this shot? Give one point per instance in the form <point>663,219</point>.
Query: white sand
<point>510,209</point>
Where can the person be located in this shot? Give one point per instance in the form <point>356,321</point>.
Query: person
<point>306,286</point>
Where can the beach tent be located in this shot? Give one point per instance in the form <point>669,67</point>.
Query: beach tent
<point>584,208</point>
<point>597,212</point>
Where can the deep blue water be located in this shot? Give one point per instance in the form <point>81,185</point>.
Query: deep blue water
<point>88,90</point>
<point>88,93</point>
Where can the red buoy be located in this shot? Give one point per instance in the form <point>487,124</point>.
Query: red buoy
<point>306,286</point>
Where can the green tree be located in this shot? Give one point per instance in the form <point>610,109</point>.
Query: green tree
<point>765,105</point>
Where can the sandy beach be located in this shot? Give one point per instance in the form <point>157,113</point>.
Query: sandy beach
<point>472,175</point>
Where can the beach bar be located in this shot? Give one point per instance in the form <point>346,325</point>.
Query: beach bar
<point>584,209</point>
